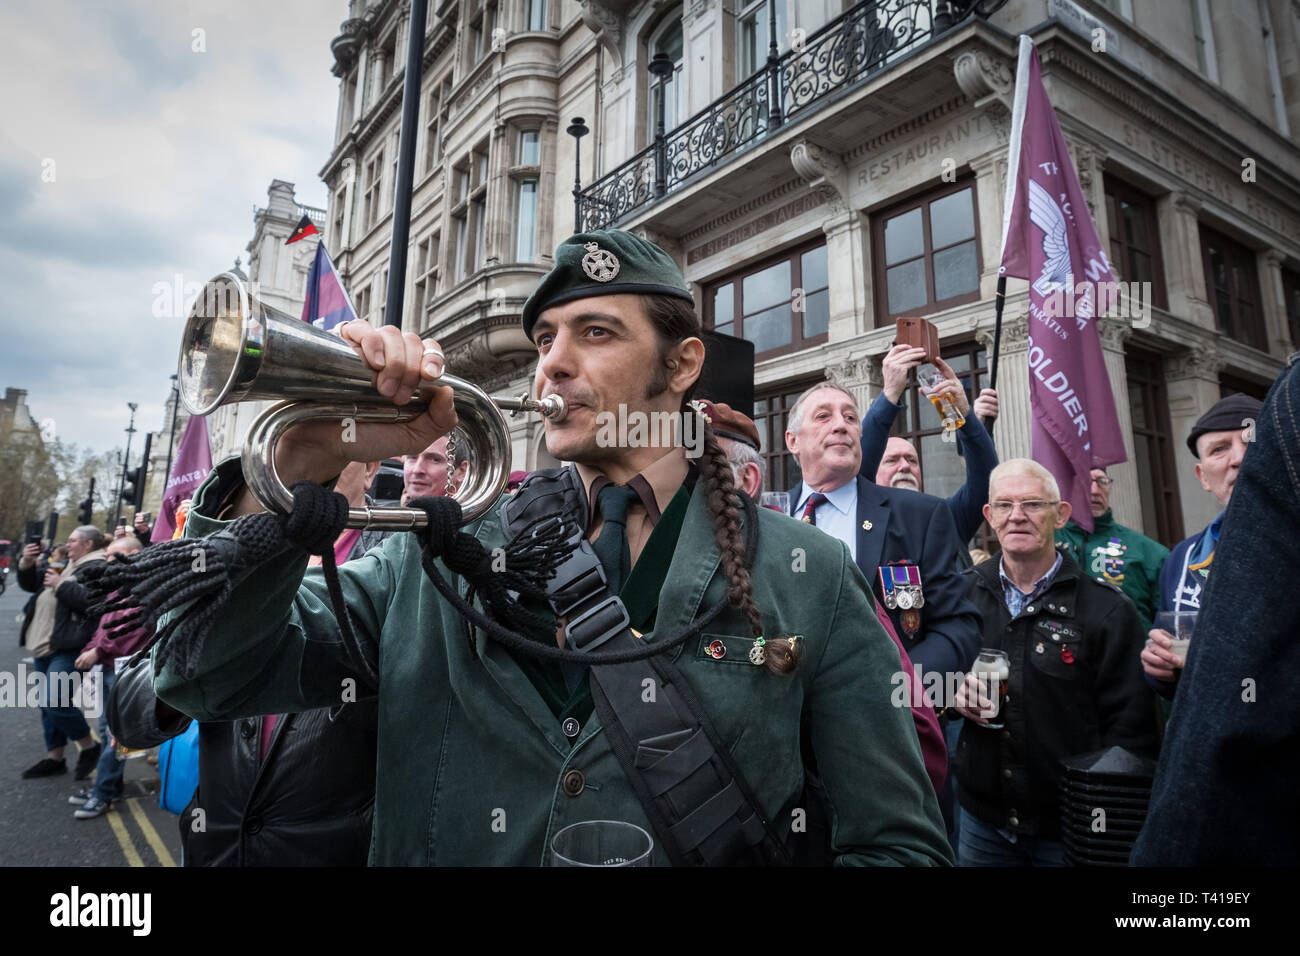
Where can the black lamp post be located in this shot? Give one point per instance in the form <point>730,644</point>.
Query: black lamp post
<point>406,163</point>
<point>661,67</point>
<point>577,129</point>
<point>773,70</point>
<point>126,463</point>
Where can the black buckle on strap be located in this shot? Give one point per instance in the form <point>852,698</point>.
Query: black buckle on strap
<point>596,625</point>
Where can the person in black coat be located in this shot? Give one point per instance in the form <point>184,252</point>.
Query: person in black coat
<point>904,542</point>
<point>74,625</point>
<point>301,795</point>
<point>1074,685</point>
<point>1225,789</point>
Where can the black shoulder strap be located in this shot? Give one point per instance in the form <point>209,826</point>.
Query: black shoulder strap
<point>699,806</point>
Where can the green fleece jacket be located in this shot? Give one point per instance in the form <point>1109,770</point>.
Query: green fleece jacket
<point>1132,563</point>
<point>471,759</point>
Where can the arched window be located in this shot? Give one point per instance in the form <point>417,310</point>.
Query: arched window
<point>666,38</point>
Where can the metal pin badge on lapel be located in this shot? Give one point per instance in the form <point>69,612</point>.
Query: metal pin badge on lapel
<point>866,526</point>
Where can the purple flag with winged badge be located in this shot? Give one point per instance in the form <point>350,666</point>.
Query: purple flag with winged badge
<point>1049,238</point>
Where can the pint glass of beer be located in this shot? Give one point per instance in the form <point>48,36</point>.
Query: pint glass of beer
<point>930,378</point>
<point>993,670</point>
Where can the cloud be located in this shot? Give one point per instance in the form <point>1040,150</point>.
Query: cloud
<point>128,157</point>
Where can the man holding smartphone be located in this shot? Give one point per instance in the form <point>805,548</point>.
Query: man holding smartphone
<point>893,462</point>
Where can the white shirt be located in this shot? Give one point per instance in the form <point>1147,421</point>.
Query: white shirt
<point>838,515</point>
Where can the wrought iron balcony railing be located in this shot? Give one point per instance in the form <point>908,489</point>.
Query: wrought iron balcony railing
<point>858,44</point>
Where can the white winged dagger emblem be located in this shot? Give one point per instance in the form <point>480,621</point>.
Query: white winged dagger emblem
<point>1047,216</point>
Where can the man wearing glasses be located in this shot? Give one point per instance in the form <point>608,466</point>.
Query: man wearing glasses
<point>1074,684</point>
<point>1116,554</point>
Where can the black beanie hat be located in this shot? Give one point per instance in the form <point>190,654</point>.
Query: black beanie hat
<point>1230,414</point>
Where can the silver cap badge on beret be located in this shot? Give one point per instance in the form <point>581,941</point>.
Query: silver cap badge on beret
<point>599,264</point>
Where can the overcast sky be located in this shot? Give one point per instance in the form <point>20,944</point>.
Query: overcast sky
<point>157,153</point>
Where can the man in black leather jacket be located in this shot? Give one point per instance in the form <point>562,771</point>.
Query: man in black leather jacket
<point>308,802</point>
<point>1075,682</point>
<point>298,793</point>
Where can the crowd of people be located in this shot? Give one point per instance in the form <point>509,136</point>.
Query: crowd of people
<point>787,635</point>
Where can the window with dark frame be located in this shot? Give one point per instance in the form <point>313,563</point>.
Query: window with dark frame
<point>435,108</point>
<point>372,196</point>
<point>535,14</point>
<point>1291,302</point>
<point>1232,286</point>
<point>363,302</point>
<point>1135,238</point>
<point>780,304</point>
<point>426,272</point>
<point>525,173</point>
<point>1230,384</point>
<point>1153,454</point>
<point>667,39</point>
<point>943,470</point>
<point>388,61</point>
<point>337,237</point>
<point>925,252</point>
<point>771,413</point>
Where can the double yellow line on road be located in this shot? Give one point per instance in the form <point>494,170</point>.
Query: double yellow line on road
<point>117,822</point>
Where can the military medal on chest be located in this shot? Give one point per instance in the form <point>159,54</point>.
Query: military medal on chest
<point>756,653</point>
<point>900,587</point>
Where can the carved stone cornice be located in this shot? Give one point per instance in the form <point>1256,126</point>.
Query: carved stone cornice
<point>744,209</point>
<point>1184,202</point>
<point>1113,332</point>
<point>824,171</point>
<point>474,353</point>
<point>1015,334</point>
<point>695,10</point>
<point>903,129</point>
<point>850,372</point>
<point>669,244</point>
<point>608,27</point>
<point>1205,363</point>
<point>989,82</point>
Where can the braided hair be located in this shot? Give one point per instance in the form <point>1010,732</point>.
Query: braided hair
<point>674,320</point>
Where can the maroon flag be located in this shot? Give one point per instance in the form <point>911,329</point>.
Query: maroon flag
<point>1049,238</point>
<point>192,464</point>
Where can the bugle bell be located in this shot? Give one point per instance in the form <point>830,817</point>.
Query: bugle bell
<point>236,348</point>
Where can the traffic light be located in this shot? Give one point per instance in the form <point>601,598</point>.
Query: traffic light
<point>133,488</point>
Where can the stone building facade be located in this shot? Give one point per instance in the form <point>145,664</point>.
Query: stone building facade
<point>16,422</point>
<point>878,192</point>
<point>858,177</point>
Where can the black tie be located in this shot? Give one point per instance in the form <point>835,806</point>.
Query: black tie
<point>611,546</point>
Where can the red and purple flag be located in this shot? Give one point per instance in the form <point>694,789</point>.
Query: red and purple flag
<point>327,302</point>
<point>192,464</point>
<point>1049,238</point>
<point>302,231</point>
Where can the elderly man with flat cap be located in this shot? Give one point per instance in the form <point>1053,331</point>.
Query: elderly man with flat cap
<point>529,723</point>
<point>1218,440</point>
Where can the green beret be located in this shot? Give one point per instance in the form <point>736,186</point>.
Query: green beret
<point>609,262</point>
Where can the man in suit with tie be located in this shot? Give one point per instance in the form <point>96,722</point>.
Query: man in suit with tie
<point>905,543</point>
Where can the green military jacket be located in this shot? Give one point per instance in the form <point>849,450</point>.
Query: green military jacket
<point>1131,561</point>
<point>471,760</point>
